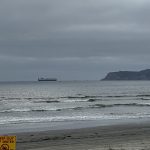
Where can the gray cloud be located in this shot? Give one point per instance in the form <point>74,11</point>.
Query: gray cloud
<point>73,39</point>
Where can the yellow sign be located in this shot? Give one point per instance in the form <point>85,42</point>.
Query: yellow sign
<point>7,142</point>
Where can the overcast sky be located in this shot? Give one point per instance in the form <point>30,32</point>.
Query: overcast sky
<point>73,39</point>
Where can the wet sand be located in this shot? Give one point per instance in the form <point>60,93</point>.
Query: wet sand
<point>135,136</point>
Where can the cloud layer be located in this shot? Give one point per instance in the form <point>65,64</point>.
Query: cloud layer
<point>69,39</point>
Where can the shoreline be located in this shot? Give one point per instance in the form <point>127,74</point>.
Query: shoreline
<point>65,125</point>
<point>132,136</point>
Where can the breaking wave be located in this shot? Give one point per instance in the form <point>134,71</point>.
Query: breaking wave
<point>95,106</point>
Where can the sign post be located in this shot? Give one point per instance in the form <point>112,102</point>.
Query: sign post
<point>7,142</point>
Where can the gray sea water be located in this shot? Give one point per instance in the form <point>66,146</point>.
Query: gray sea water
<point>48,102</point>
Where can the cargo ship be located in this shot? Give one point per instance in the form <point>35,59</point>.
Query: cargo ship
<point>47,79</point>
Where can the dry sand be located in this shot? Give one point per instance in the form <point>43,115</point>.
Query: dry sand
<point>116,137</point>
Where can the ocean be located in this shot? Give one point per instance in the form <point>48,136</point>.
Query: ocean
<point>25,105</point>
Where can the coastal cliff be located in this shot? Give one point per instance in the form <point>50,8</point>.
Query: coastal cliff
<point>128,75</point>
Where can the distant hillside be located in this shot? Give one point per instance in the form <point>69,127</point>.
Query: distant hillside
<point>128,75</point>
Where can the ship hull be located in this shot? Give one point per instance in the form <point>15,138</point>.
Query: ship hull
<point>47,79</point>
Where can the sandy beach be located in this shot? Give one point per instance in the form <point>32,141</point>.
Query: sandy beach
<point>135,136</point>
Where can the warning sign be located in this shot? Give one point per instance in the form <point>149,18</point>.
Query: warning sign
<point>7,142</point>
